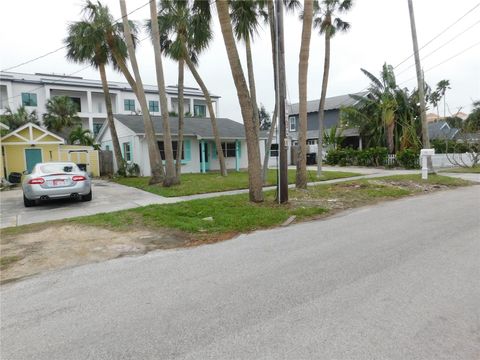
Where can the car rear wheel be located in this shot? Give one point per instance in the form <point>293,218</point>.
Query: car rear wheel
<point>28,202</point>
<point>87,197</point>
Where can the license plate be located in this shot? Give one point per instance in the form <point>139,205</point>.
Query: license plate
<point>58,182</point>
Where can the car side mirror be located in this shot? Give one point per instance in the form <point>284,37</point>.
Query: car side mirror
<point>25,172</point>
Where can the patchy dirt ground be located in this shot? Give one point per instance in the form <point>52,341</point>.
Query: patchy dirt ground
<point>70,245</point>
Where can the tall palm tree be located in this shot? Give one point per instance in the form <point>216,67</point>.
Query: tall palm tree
<point>328,24</point>
<point>86,43</point>
<point>290,6</point>
<point>16,119</point>
<point>61,113</point>
<point>153,150</point>
<point>245,15</point>
<point>442,87</point>
<point>170,176</point>
<point>301,174</point>
<point>254,163</point>
<point>185,31</point>
<point>272,25</point>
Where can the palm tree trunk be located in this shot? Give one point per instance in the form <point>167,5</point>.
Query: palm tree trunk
<point>251,82</point>
<point>301,174</point>
<point>155,159</point>
<point>111,123</point>
<point>321,108</point>
<point>181,115</point>
<point>170,177</point>
<point>206,94</point>
<point>271,21</point>
<point>254,164</point>
<point>269,145</point>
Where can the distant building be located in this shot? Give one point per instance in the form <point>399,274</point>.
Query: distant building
<point>332,118</point>
<point>33,91</point>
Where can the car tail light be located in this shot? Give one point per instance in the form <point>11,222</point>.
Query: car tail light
<point>79,178</point>
<point>36,181</point>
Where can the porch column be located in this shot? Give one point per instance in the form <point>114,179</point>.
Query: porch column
<point>89,102</point>
<point>90,111</point>
<point>191,107</point>
<point>360,144</point>
<point>237,155</point>
<point>202,164</point>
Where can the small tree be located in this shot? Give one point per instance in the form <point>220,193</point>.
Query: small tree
<point>265,119</point>
<point>61,114</point>
<point>79,136</point>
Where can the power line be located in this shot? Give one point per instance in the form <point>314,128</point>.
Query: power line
<point>441,46</point>
<point>439,34</point>
<point>63,47</point>
<point>426,44</point>
<point>63,76</point>
<point>444,61</point>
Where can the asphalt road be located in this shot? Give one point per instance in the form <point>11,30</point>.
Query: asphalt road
<point>400,280</point>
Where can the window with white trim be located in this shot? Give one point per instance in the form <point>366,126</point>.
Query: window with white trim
<point>127,154</point>
<point>274,150</point>
<point>293,123</point>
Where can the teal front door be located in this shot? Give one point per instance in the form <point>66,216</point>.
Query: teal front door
<point>32,157</point>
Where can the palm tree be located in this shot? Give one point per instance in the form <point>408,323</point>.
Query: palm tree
<point>81,136</point>
<point>185,32</point>
<point>170,176</point>
<point>328,24</point>
<point>153,150</point>
<point>442,87</point>
<point>381,102</point>
<point>244,15</point>
<point>301,174</point>
<point>254,163</point>
<point>61,113</point>
<point>86,43</point>
<point>16,119</point>
<point>434,98</point>
<point>290,5</point>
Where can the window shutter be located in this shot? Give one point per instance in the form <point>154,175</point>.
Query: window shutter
<point>186,145</point>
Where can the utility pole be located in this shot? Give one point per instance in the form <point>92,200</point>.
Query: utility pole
<point>421,86</point>
<point>281,91</point>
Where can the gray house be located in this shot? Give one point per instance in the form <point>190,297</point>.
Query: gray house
<point>199,153</point>
<point>332,118</point>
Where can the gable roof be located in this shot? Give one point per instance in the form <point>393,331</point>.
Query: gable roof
<point>193,126</point>
<point>31,134</point>
<point>331,103</point>
<point>441,130</point>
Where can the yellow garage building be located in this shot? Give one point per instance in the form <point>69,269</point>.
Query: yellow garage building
<point>30,144</point>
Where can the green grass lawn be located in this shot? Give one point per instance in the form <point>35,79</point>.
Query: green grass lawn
<point>235,214</point>
<point>471,170</point>
<point>212,182</point>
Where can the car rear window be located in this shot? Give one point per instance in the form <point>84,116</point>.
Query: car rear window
<point>58,168</point>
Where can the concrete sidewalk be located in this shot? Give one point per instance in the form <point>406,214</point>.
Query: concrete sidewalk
<point>110,197</point>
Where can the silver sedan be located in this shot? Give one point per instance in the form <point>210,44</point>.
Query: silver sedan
<point>56,180</point>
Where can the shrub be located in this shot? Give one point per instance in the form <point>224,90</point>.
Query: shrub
<point>442,146</point>
<point>369,157</point>
<point>133,169</point>
<point>408,158</point>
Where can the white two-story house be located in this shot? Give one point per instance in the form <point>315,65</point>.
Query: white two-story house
<point>33,91</point>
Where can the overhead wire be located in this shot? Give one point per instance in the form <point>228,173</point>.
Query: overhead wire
<point>63,47</point>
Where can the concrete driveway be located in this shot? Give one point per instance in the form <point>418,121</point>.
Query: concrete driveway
<point>107,197</point>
